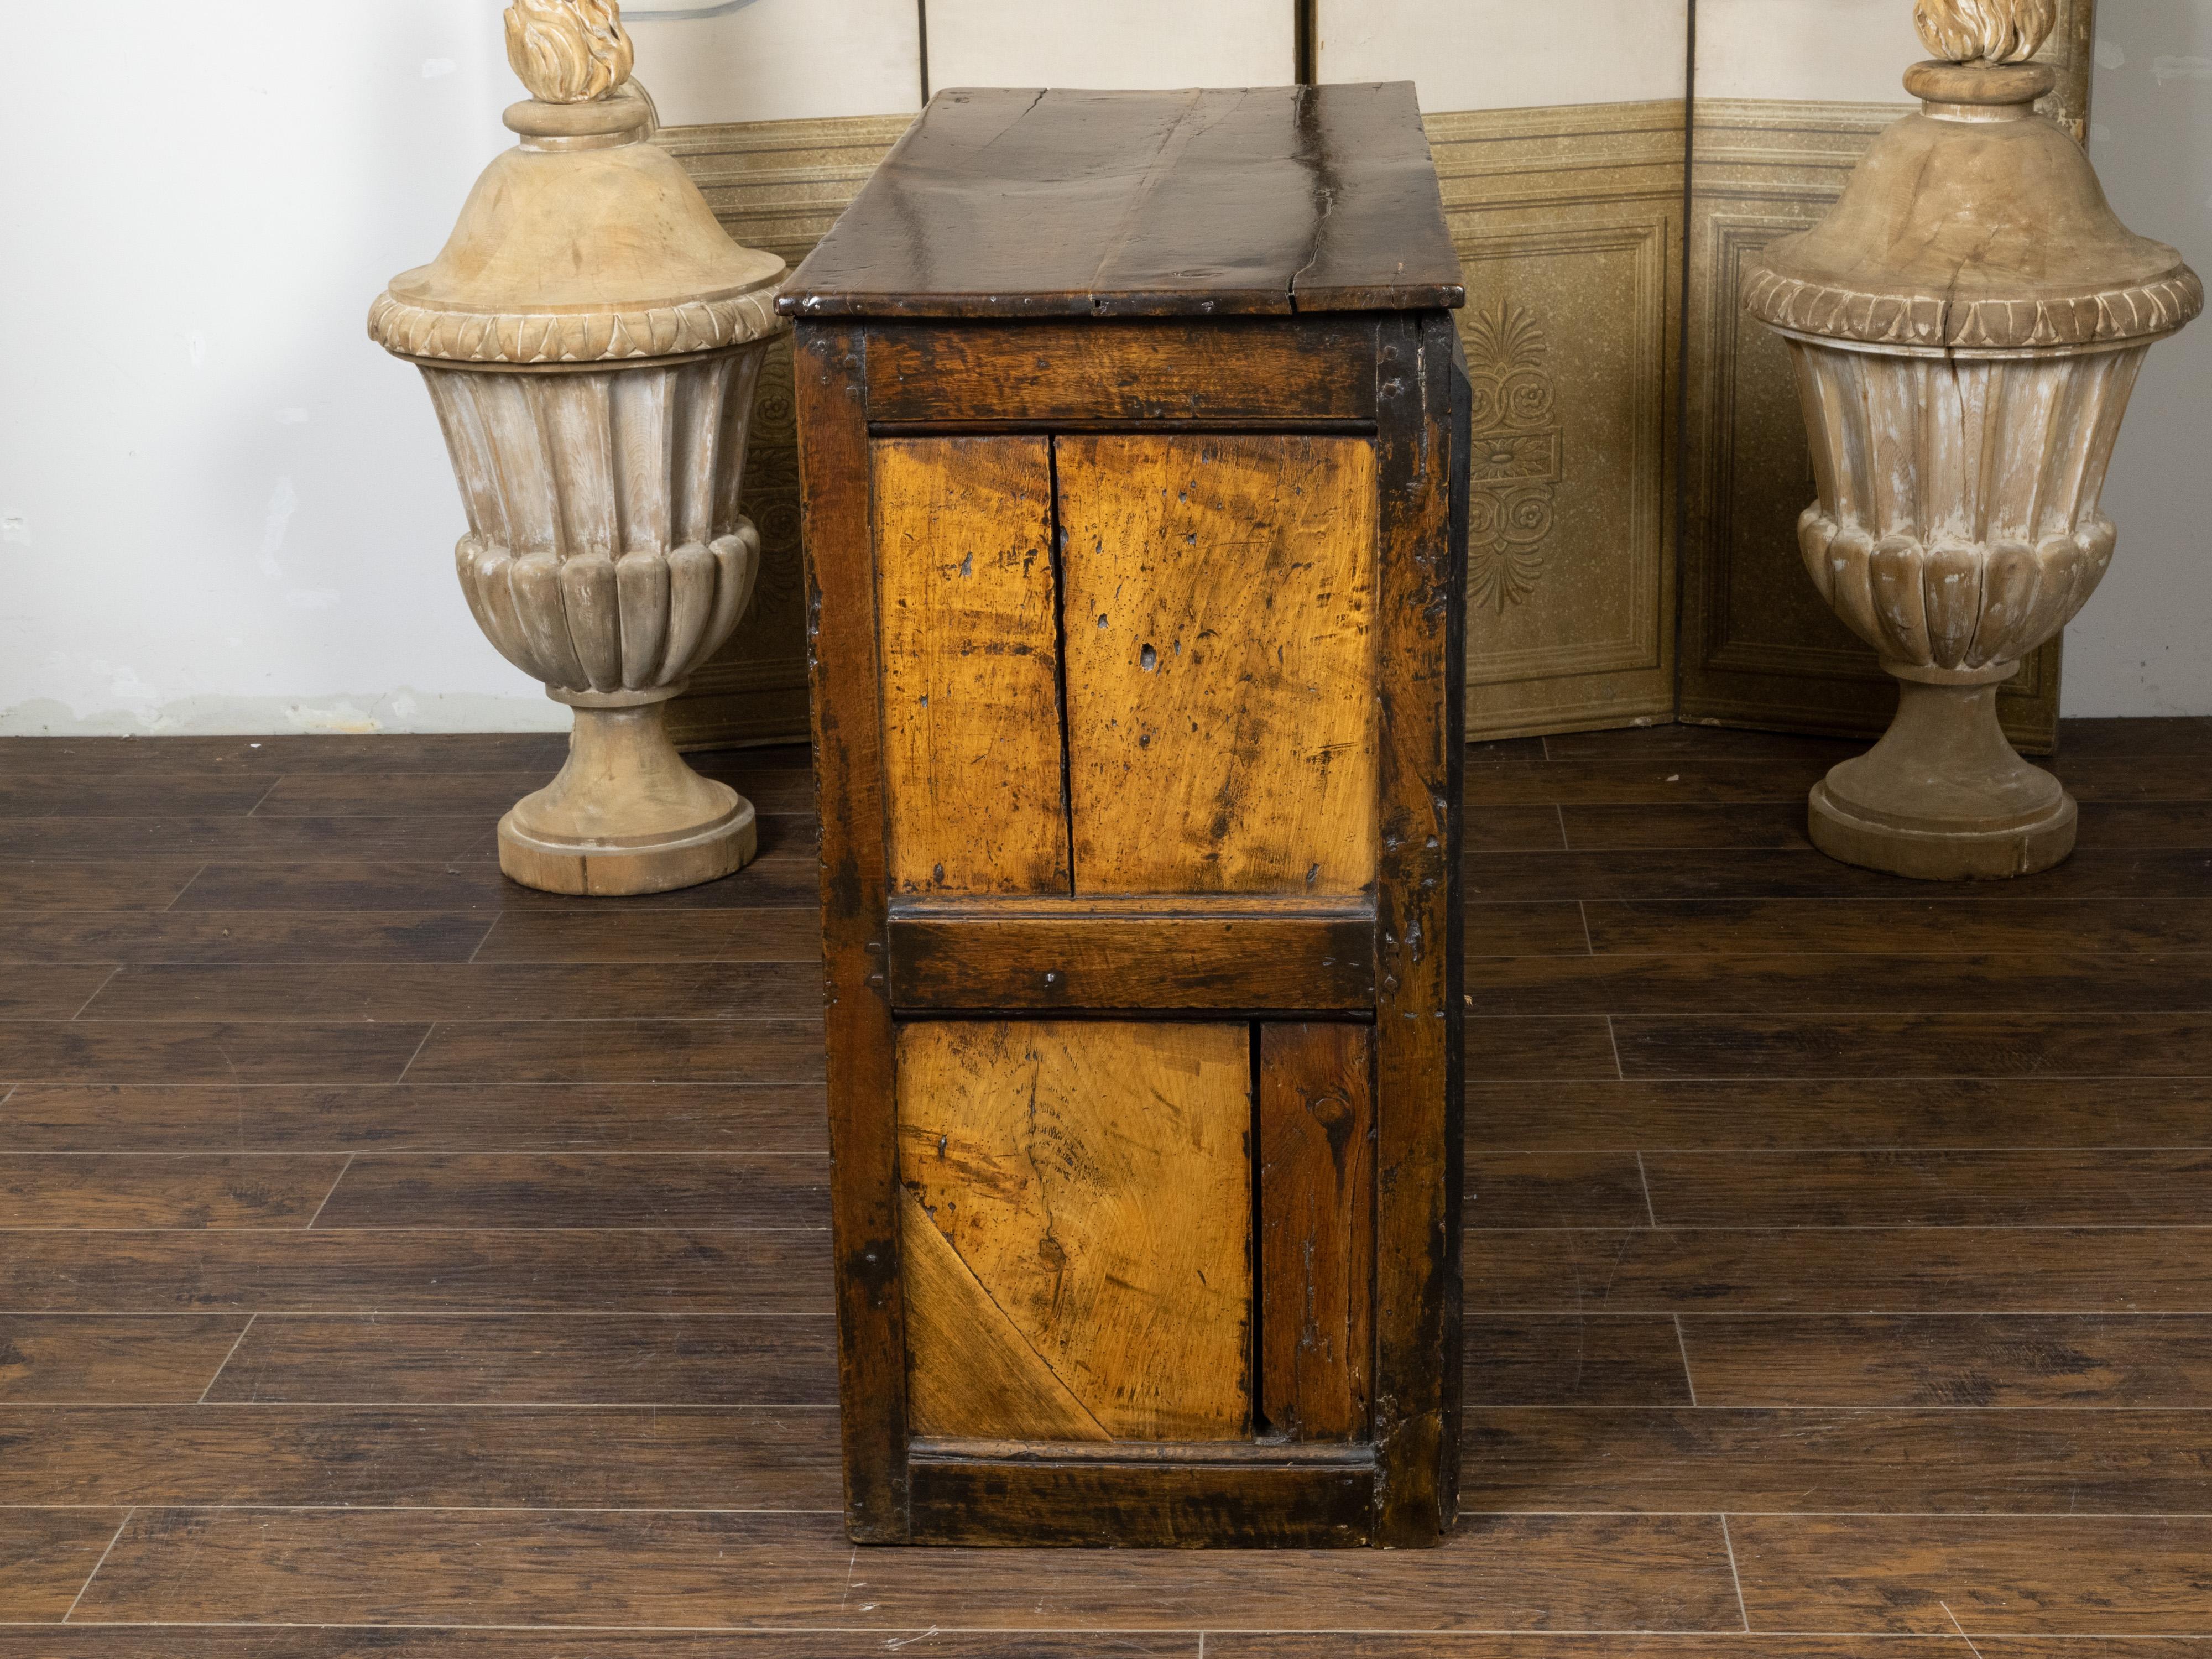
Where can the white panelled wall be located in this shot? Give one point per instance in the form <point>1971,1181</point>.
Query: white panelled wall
<point>777,60</point>
<point>1506,54</point>
<point>1849,52</point>
<point>223,510</point>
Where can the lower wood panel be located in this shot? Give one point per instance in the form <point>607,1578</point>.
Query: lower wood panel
<point>1091,1180</point>
<point>1044,1501</point>
<point>128,1642</point>
<point>1316,1176</point>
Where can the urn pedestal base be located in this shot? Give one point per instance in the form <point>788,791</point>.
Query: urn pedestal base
<point>1943,796</point>
<point>625,814</point>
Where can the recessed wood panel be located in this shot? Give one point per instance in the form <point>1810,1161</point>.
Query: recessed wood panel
<point>1316,1228</point>
<point>1219,605</point>
<point>1089,1184</point>
<point>970,665</point>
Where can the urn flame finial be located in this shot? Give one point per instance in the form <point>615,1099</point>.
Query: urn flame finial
<point>569,51</point>
<point>1985,31</point>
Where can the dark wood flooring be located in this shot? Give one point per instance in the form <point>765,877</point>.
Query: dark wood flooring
<point>394,1261</point>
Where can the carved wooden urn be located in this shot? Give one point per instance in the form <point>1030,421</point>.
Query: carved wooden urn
<point>1967,324</point>
<point>592,339</point>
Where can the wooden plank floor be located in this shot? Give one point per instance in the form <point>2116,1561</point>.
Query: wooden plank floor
<point>395,1261</point>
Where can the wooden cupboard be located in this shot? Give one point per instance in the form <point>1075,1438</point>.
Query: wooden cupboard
<point>1133,455</point>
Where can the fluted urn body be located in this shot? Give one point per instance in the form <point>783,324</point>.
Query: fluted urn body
<point>591,340</point>
<point>1967,326</point>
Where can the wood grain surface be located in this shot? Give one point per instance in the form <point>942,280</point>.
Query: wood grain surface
<point>1093,1179</point>
<point>970,665</point>
<point>1244,952</point>
<point>1220,596</point>
<point>1212,202</point>
<point>1316,1173</point>
<point>1857,1353</point>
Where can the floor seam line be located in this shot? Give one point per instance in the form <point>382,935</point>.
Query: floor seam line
<point>227,1358</point>
<point>1735,1577</point>
<point>186,889</point>
<point>429,1032</point>
<point>327,1197</point>
<point>497,917</point>
<point>1961,1628</point>
<point>98,1565</point>
<point>94,998</point>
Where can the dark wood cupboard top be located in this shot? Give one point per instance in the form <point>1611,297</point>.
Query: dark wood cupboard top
<point>1005,202</point>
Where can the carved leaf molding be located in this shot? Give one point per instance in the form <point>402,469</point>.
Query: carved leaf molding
<point>1517,461</point>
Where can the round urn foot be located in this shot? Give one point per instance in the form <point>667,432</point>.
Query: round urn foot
<point>626,815</point>
<point>1943,796</point>
<point>1940,852</point>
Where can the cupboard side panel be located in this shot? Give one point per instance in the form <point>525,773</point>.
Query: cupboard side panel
<point>1094,1179</point>
<point>1220,605</point>
<point>970,665</point>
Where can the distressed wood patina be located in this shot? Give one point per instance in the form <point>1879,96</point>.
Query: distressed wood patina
<point>1134,449</point>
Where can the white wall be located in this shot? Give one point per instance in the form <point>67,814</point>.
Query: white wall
<point>1112,43</point>
<point>2144,644</point>
<point>775,60</point>
<point>222,509</point>
<point>1508,54</point>
<point>1852,51</point>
